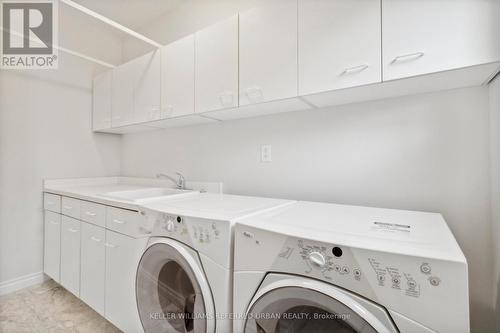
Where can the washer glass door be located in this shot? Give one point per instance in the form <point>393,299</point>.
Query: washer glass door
<point>298,309</point>
<point>169,296</point>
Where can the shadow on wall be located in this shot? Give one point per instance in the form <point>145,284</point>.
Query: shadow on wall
<point>497,310</point>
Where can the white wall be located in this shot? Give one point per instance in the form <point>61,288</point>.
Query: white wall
<point>44,133</point>
<point>427,152</point>
<point>495,187</point>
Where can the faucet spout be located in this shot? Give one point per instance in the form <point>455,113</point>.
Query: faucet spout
<point>180,183</point>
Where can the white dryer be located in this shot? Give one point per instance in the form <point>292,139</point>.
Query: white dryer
<point>314,267</point>
<point>184,278</point>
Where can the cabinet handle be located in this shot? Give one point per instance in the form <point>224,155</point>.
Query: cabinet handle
<point>95,239</point>
<point>109,245</point>
<point>254,94</point>
<point>355,69</point>
<point>226,98</point>
<point>72,230</point>
<point>90,214</point>
<point>118,221</point>
<point>408,57</point>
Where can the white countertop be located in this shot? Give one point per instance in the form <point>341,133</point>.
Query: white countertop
<point>94,189</point>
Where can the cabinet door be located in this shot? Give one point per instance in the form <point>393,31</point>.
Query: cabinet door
<point>92,266</point>
<point>52,245</point>
<point>122,94</point>
<point>216,75</point>
<point>101,115</point>
<point>122,257</point>
<point>339,44</point>
<point>422,37</point>
<point>268,52</point>
<point>177,77</point>
<point>147,87</point>
<point>70,254</point>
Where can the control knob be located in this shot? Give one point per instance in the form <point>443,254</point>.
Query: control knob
<point>317,259</point>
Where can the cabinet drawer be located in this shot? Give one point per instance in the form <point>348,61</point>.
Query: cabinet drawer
<point>127,222</point>
<point>52,202</point>
<point>93,213</point>
<point>71,207</point>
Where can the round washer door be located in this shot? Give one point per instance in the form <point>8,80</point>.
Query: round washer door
<point>305,305</point>
<point>172,292</point>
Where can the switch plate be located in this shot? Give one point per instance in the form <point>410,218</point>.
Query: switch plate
<point>265,153</point>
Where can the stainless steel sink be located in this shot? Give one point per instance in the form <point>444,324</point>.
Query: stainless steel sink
<point>145,194</point>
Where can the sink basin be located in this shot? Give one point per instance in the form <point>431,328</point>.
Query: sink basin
<point>144,194</point>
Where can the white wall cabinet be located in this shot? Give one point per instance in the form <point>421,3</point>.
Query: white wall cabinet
<point>421,37</point>
<point>101,116</point>
<point>122,94</point>
<point>147,90</point>
<point>136,90</point>
<point>52,245</point>
<point>308,53</point>
<point>339,44</point>
<point>268,52</point>
<point>177,78</point>
<point>70,254</point>
<point>92,266</point>
<point>216,72</point>
<point>122,257</point>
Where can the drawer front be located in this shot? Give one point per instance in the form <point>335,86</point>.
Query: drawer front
<point>71,207</point>
<point>127,222</point>
<point>52,202</point>
<point>93,213</point>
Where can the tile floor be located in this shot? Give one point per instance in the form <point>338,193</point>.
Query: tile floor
<point>47,308</point>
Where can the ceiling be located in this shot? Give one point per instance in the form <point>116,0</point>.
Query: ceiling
<point>131,13</point>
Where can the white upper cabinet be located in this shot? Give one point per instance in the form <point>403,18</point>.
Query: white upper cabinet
<point>422,37</point>
<point>339,44</point>
<point>101,115</point>
<point>136,90</point>
<point>177,77</point>
<point>268,52</point>
<point>147,87</point>
<point>122,94</point>
<point>216,73</point>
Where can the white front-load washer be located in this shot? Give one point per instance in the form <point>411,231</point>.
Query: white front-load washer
<point>315,267</point>
<point>184,278</point>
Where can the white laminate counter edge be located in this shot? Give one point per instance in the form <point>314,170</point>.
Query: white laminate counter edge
<point>91,189</point>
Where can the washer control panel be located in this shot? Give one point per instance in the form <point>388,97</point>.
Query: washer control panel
<point>198,231</point>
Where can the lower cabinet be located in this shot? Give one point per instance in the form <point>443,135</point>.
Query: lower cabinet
<point>122,257</point>
<point>70,254</point>
<point>94,263</point>
<point>92,266</point>
<point>52,245</point>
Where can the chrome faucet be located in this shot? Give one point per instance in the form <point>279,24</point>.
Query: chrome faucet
<point>179,183</point>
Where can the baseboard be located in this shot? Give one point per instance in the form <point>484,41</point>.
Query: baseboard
<point>22,282</point>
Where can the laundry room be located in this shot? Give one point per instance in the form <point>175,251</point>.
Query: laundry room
<point>248,166</point>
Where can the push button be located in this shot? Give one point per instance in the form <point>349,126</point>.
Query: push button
<point>425,268</point>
